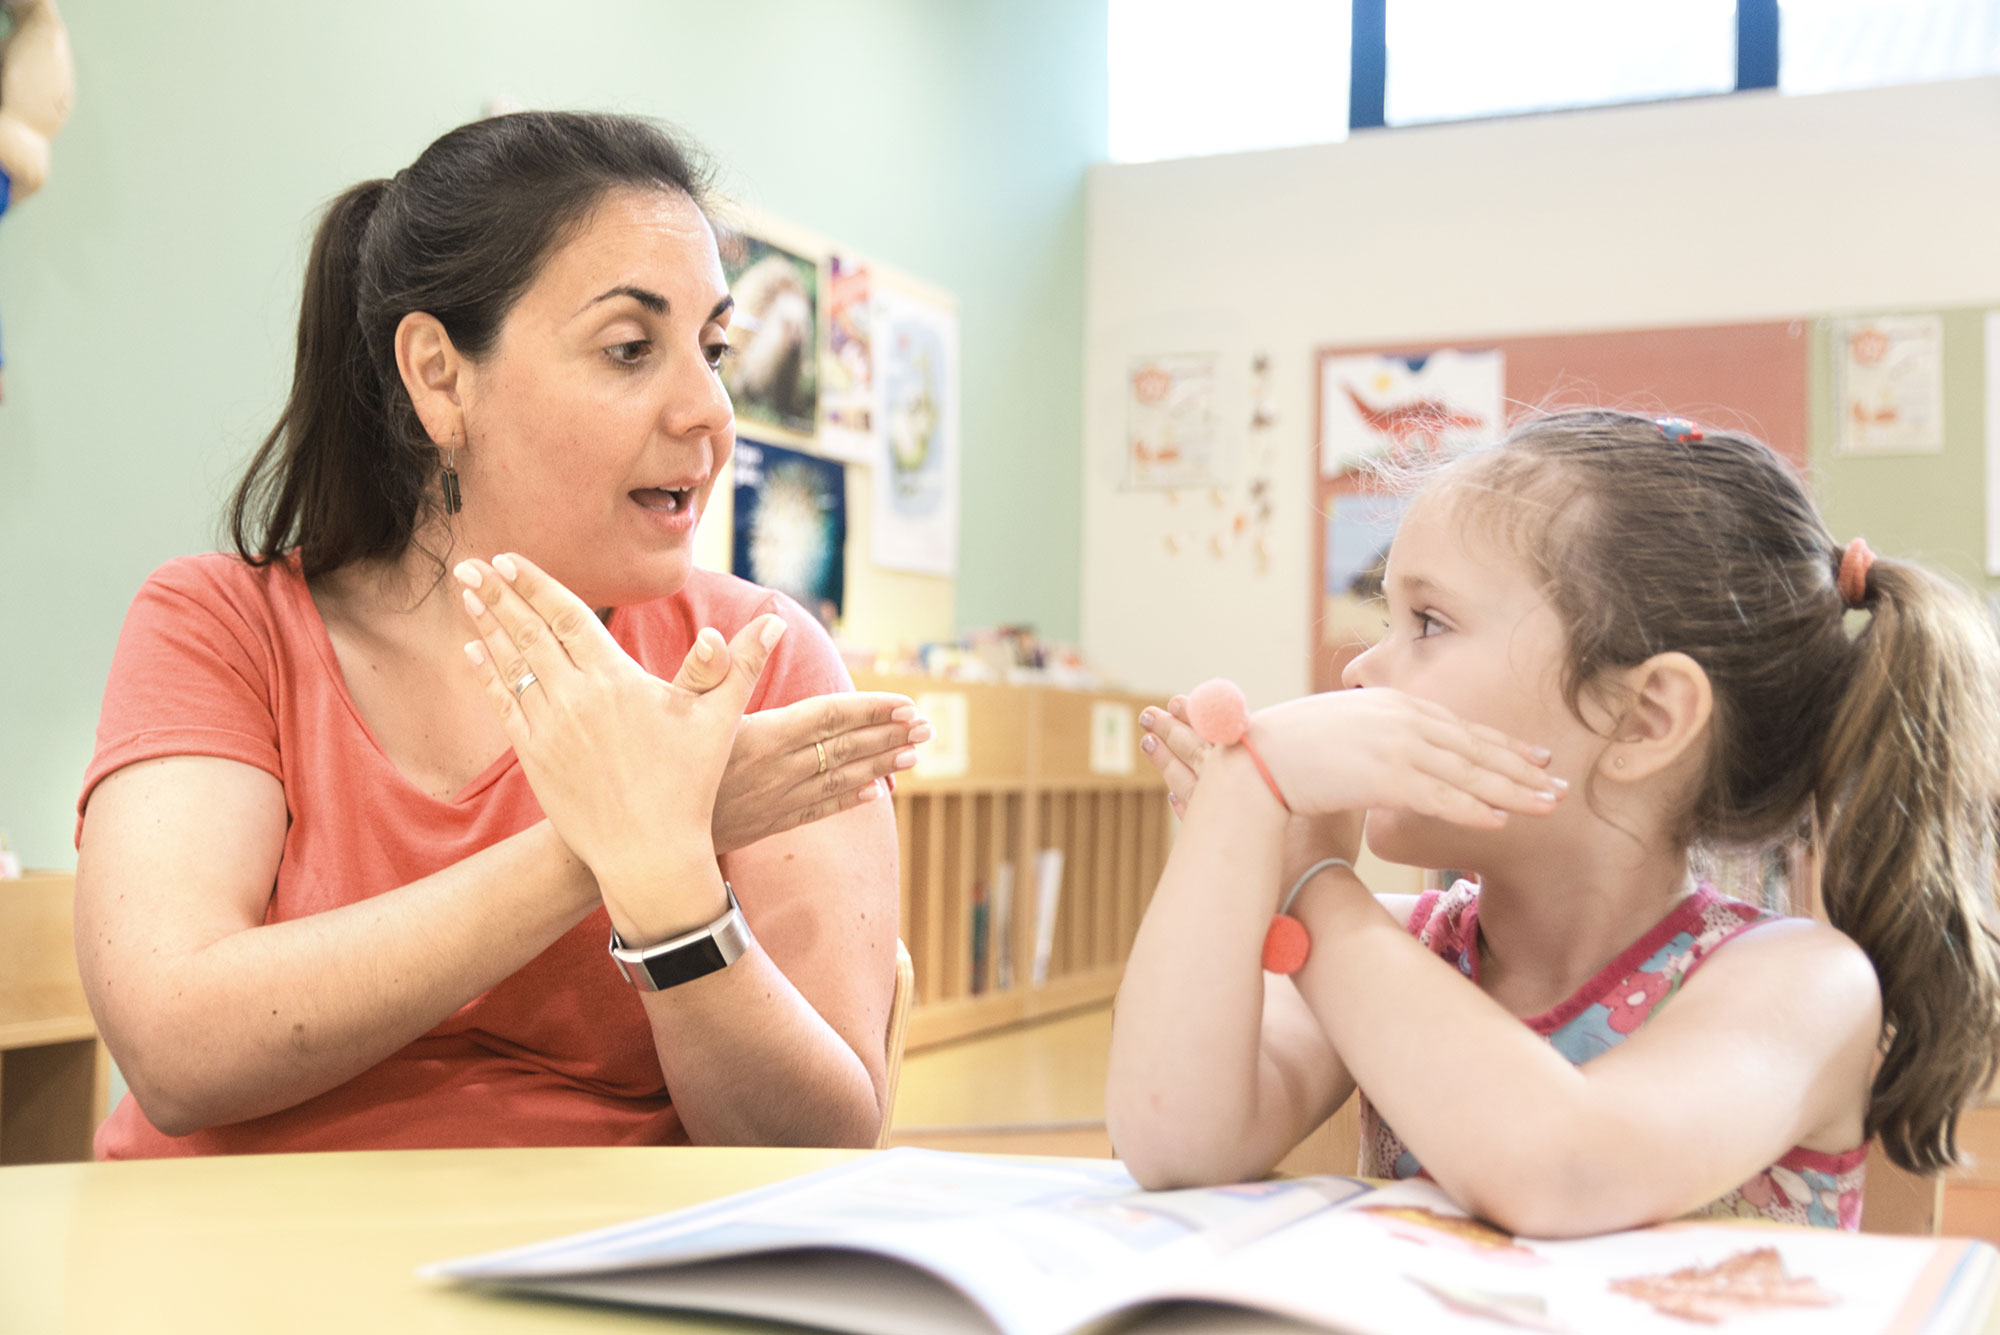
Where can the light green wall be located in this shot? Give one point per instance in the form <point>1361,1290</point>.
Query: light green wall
<point>148,295</point>
<point>1929,507</point>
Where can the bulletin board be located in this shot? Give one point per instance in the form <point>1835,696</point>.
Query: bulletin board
<point>1746,377</point>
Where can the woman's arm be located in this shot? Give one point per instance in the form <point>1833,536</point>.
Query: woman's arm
<point>786,1046</point>
<point>215,1017</point>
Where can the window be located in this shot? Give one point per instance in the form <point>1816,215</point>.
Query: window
<point>1453,59</point>
<point>1829,44</point>
<point>1222,76</point>
<point>1225,76</point>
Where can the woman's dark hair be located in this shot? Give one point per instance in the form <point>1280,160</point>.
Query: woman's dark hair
<point>460,233</point>
<point>1884,741</point>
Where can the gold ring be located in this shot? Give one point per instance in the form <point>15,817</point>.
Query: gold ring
<point>821,748</point>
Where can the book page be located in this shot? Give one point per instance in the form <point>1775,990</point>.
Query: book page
<point>1037,1246</point>
<point>1407,1259</point>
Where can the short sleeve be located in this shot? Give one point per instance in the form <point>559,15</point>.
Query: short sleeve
<point>192,674</point>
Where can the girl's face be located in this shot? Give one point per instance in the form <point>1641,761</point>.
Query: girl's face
<point>596,426</point>
<point>1469,628</point>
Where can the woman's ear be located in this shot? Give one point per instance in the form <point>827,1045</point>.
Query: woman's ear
<point>1670,703</point>
<point>431,369</point>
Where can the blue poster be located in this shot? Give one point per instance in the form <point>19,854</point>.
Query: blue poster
<point>791,526</point>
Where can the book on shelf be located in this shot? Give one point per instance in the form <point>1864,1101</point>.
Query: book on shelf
<point>1048,894</point>
<point>922,1242</point>
<point>1003,926</point>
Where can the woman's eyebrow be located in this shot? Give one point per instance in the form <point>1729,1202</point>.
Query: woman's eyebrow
<point>722,307</point>
<point>652,301</point>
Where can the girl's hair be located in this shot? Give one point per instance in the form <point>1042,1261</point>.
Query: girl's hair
<point>460,233</point>
<point>1887,738</point>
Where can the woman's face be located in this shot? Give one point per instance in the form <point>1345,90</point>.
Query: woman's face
<point>596,425</point>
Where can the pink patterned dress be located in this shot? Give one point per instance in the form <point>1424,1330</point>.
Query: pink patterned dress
<point>1804,1187</point>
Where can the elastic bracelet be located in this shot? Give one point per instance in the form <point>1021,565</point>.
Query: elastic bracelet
<point>1286,943</point>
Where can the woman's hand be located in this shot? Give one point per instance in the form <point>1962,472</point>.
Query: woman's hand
<point>625,765</point>
<point>776,780</point>
<point>1354,750</point>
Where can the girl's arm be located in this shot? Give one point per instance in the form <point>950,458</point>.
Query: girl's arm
<point>1217,1069</point>
<point>1770,1045</point>
<point>214,1016</point>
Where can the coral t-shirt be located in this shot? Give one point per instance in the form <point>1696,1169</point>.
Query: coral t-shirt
<point>221,658</point>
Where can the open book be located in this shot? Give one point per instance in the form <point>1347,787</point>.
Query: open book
<point>920,1242</point>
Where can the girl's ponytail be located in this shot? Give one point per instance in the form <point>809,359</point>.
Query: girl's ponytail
<point>1905,796</point>
<point>316,481</point>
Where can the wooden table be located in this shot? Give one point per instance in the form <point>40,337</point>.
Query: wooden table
<point>330,1242</point>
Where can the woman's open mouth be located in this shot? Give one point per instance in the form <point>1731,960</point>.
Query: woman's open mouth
<point>667,500</point>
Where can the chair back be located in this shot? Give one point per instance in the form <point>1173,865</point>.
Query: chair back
<point>899,1024</point>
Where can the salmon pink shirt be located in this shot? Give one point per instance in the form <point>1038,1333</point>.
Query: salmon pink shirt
<point>222,658</point>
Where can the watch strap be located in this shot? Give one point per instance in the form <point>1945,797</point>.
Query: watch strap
<point>686,957</point>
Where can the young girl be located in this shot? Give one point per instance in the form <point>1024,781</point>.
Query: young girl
<point>1610,640</point>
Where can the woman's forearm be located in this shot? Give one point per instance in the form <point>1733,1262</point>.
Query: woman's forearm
<point>748,1061</point>
<point>267,1017</point>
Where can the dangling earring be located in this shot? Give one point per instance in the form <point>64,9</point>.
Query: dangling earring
<point>453,502</point>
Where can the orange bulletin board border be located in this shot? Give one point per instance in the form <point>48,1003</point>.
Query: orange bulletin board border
<point>1742,377</point>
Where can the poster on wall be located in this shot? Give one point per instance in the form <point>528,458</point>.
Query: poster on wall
<point>1359,530</point>
<point>773,367</point>
<point>914,518</point>
<point>1172,435</point>
<point>1889,384</point>
<point>791,526</point>
<point>1394,409</point>
<point>847,375</point>
<point>1993,443</point>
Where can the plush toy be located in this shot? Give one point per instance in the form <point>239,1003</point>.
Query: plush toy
<point>37,88</point>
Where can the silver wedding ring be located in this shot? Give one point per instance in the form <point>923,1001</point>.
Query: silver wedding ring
<point>527,680</point>
<point>821,748</point>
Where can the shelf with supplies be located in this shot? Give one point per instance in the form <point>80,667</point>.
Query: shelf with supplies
<point>1031,835</point>
<point>54,1072</point>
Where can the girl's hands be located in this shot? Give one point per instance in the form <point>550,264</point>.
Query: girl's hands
<point>774,781</point>
<point>1377,747</point>
<point>625,765</point>
<point>1178,753</point>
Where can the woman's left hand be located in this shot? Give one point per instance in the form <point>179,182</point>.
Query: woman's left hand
<point>625,765</point>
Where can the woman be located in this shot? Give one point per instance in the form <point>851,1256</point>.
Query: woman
<point>337,888</point>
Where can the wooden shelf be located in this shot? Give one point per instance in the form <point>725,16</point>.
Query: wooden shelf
<point>54,1073</point>
<point>1015,770</point>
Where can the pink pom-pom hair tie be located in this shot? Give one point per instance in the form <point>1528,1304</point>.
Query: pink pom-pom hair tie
<point>1219,714</point>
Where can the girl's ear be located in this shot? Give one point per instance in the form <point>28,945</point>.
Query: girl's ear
<point>1670,704</point>
<point>432,371</point>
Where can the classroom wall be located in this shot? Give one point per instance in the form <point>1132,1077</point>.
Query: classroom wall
<point>1748,207</point>
<point>148,295</point>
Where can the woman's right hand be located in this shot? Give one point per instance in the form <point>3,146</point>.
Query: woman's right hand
<point>774,781</point>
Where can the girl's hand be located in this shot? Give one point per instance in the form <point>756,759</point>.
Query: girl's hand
<point>1175,749</point>
<point>774,781</point>
<point>625,765</point>
<point>1377,747</point>
<point>1178,753</point>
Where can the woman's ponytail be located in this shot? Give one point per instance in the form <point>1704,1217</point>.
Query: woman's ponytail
<point>1906,800</point>
<point>316,481</point>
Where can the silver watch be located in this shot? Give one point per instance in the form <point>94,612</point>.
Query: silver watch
<point>686,957</point>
